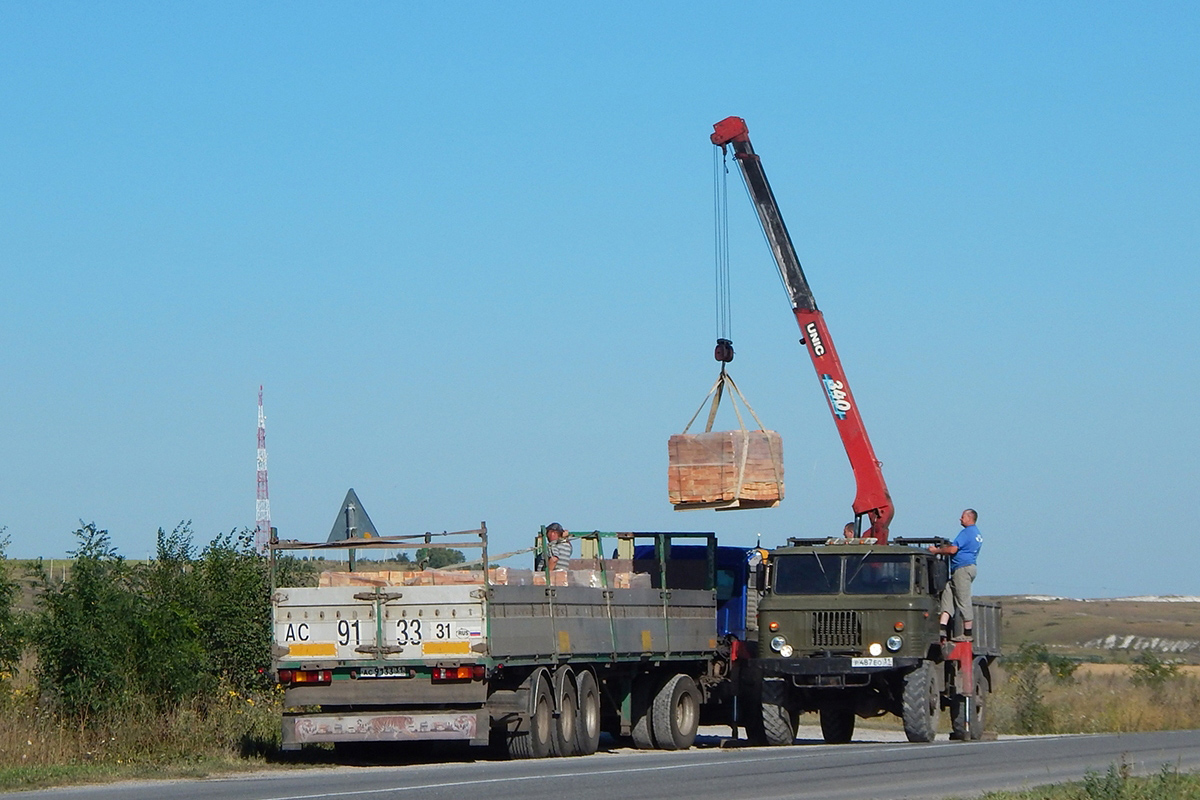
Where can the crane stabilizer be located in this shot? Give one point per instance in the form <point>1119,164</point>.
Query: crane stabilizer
<point>872,498</point>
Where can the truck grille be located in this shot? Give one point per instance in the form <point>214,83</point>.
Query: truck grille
<point>836,629</point>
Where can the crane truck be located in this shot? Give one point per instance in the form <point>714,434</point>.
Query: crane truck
<point>849,628</point>
<point>649,634</point>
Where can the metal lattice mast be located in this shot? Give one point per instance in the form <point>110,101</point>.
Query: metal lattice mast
<point>262,507</point>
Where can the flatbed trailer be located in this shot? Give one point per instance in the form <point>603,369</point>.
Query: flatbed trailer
<point>536,663</point>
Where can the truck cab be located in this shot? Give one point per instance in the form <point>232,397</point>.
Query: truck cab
<point>850,598</point>
<point>849,628</point>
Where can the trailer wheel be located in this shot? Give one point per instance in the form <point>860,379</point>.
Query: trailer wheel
<point>534,742</point>
<point>971,718</point>
<point>587,729</point>
<point>921,703</point>
<point>564,742</point>
<point>837,724</point>
<point>778,725</point>
<point>676,714</point>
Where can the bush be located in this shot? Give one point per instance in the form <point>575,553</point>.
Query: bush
<point>11,634</point>
<point>86,634</point>
<point>1150,670</point>
<point>1032,714</point>
<point>183,627</point>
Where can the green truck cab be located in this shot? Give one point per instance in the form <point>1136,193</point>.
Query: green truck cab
<point>849,628</point>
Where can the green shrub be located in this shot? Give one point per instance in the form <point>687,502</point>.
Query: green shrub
<point>86,634</point>
<point>1025,673</point>
<point>182,627</point>
<point>1150,670</point>
<point>11,633</point>
<point>234,610</point>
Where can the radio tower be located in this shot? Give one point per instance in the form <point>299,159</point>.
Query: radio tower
<point>262,507</point>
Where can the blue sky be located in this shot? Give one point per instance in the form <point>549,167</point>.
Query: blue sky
<point>468,252</point>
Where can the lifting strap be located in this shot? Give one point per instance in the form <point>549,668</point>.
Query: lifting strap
<point>715,393</point>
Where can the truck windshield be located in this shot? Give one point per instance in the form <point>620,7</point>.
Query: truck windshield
<point>810,573</point>
<point>878,574</point>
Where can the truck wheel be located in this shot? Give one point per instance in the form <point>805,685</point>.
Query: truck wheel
<point>837,724</point>
<point>564,741</point>
<point>970,724</point>
<point>644,690</point>
<point>676,714</point>
<point>778,725</point>
<point>587,728</point>
<point>534,742</point>
<point>921,703</point>
<point>750,715</point>
<point>643,738</point>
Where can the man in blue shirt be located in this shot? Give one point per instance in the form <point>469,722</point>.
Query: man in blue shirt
<point>963,552</point>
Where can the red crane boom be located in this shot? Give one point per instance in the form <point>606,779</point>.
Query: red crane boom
<point>872,499</point>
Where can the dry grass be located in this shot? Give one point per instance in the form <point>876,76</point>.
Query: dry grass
<point>1103,699</point>
<point>230,731</point>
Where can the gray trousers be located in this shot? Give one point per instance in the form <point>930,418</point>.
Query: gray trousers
<point>957,594</point>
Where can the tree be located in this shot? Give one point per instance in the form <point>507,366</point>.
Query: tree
<point>439,557</point>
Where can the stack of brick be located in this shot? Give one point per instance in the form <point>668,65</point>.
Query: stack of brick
<point>497,576</point>
<point>725,470</point>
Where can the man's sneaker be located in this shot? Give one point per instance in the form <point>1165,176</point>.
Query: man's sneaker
<point>963,637</point>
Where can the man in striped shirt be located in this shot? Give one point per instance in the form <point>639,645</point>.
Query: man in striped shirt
<point>561,548</point>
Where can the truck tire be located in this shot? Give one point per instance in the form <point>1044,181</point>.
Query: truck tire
<point>676,714</point>
<point>645,687</point>
<point>643,736</point>
<point>921,703</point>
<point>750,714</point>
<point>837,724</point>
<point>565,739</point>
<point>534,741</point>
<point>778,725</point>
<point>971,718</point>
<point>587,729</point>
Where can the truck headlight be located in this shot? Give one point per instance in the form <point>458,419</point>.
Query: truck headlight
<point>778,643</point>
<point>894,643</point>
<point>875,649</point>
<point>786,651</point>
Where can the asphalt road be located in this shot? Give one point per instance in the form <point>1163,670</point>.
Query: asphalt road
<point>873,769</point>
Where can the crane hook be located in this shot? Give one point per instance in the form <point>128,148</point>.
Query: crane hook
<point>723,351</point>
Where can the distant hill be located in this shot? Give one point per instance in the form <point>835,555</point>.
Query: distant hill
<point>1113,629</point>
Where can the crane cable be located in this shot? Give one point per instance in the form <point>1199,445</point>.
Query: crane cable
<point>721,246</point>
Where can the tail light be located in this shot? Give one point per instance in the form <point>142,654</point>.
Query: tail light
<point>318,677</point>
<point>442,674</point>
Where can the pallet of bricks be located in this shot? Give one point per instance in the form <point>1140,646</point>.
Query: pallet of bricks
<point>725,470</point>
<point>582,573</point>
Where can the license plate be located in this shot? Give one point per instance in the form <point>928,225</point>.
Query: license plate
<point>871,662</point>
<point>384,672</point>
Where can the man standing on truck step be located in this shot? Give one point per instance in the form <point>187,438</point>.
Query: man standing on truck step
<point>561,549</point>
<point>963,552</point>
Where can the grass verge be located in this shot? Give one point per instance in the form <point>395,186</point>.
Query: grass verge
<point>228,732</point>
<point>1115,784</point>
